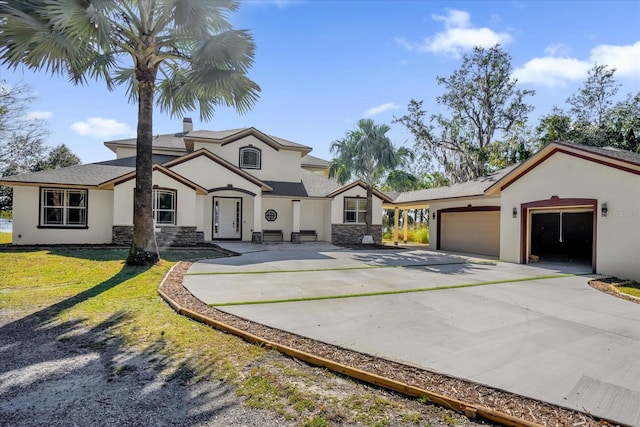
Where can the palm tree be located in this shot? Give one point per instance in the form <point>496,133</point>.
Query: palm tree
<point>181,54</point>
<point>368,154</point>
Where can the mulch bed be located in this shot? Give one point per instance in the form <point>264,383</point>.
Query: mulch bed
<point>469,392</point>
<point>609,285</point>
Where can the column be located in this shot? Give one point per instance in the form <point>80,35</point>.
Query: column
<point>295,230</point>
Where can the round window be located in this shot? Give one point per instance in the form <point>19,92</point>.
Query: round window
<point>271,215</point>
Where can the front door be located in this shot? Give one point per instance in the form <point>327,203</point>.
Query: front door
<point>227,218</point>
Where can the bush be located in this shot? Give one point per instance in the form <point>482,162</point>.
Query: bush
<point>415,234</point>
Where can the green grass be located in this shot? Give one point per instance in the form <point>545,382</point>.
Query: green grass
<point>93,286</point>
<point>5,238</point>
<point>91,293</point>
<point>632,289</point>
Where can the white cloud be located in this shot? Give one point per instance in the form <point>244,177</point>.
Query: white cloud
<point>625,59</point>
<point>459,36</point>
<point>101,128</point>
<point>39,115</point>
<point>380,109</point>
<point>554,71</point>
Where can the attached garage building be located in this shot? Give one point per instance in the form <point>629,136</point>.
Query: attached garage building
<point>567,203</point>
<point>472,230</point>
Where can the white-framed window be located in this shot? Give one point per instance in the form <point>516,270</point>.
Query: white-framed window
<point>250,158</point>
<point>63,207</point>
<point>355,210</point>
<point>164,207</point>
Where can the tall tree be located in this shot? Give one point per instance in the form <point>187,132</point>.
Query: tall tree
<point>594,117</point>
<point>60,157</point>
<point>368,154</point>
<point>481,100</point>
<point>183,54</point>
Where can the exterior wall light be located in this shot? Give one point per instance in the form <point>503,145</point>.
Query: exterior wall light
<point>515,212</point>
<point>433,215</point>
<point>604,209</point>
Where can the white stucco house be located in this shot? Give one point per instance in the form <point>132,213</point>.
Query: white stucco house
<point>567,203</point>
<point>238,184</point>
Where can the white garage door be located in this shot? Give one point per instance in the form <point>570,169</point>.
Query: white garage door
<point>471,232</point>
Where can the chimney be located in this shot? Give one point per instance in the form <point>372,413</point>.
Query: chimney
<point>187,125</point>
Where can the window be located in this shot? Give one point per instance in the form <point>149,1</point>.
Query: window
<point>250,158</point>
<point>355,210</point>
<point>164,207</point>
<point>61,207</point>
<point>271,215</point>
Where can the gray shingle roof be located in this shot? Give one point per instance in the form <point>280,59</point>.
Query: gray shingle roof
<point>171,141</point>
<point>616,153</point>
<point>318,185</point>
<point>293,189</point>
<point>476,187</point>
<point>313,161</point>
<point>311,185</point>
<point>174,141</point>
<point>92,174</point>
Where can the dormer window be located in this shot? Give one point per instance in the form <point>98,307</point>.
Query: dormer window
<point>250,158</point>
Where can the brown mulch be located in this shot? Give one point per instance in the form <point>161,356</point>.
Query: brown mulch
<point>609,285</point>
<point>518,406</point>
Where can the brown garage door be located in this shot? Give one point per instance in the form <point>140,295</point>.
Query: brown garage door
<point>471,232</point>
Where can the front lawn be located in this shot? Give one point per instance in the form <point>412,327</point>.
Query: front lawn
<point>90,298</point>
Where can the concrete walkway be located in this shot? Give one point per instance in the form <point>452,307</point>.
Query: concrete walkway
<point>553,339</point>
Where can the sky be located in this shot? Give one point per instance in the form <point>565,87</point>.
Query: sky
<point>322,65</point>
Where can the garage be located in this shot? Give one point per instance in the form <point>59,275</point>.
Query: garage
<point>470,230</point>
<point>564,236</point>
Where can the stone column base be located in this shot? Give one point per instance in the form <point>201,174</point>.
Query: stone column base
<point>256,237</point>
<point>295,238</point>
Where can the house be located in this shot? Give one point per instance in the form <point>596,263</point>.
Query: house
<point>238,184</point>
<point>567,203</point>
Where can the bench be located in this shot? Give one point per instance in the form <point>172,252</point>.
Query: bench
<point>309,235</point>
<point>272,236</point>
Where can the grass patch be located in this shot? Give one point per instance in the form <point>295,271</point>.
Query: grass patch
<point>395,292</point>
<point>94,301</point>
<point>90,287</point>
<point>5,238</point>
<point>632,289</point>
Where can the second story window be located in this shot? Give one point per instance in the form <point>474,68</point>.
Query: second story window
<point>250,158</point>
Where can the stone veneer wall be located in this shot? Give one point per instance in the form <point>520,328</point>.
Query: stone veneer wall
<point>351,234</point>
<point>167,236</point>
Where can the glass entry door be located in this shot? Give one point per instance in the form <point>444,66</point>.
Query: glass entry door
<point>227,218</point>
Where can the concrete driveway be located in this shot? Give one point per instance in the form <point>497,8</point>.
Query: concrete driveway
<point>535,330</point>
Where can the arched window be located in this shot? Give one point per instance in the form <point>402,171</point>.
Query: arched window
<point>250,158</point>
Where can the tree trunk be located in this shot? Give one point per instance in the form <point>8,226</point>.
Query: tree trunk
<point>144,249</point>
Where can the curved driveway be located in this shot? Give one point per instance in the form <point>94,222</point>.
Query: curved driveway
<point>539,331</point>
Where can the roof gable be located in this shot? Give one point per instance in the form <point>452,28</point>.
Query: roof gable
<point>362,184</point>
<point>235,135</point>
<point>203,152</point>
<point>156,168</point>
<point>619,159</point>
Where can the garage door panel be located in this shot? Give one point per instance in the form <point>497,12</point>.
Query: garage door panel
<point>472,232</point>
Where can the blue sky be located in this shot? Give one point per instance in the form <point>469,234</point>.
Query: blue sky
<point>323,65</point>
